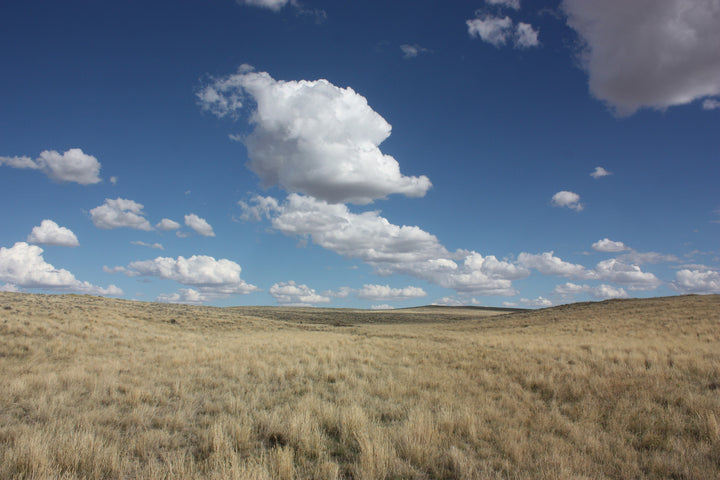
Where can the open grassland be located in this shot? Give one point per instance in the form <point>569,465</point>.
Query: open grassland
<point>112,389</point>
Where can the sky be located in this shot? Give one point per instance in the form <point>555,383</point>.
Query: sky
<point>360,154</point>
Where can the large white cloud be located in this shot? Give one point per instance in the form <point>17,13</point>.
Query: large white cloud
<point>387,293</point>
<point>50,233</point>
<point>290,293</point>
<point>313,137</point>
<point>71,166</point>
<point>211,277</point>
<point>697,281</point>
<point>23,265</point>
<point>648,53</point>
<point>120,212</point>
<point>200,225</point>
<point>389,248</point>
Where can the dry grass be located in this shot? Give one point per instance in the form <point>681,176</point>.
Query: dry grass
<point>98,388</point>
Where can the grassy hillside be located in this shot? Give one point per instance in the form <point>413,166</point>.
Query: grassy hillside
<point>101,388</point>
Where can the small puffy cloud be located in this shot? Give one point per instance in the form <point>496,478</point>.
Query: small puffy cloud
<point>526,36</point>
<point>199,225</point>
<point>313,137</point>
<point>274,5</point>
<point>710,104</point>
<point>71,166</point>
<point>151,245</point>
<point>19,162</point>
<point>490,29</point>
<point>497,31</point>
<point>389,248</point>
<point>631,276</point>
<point>23,265</point>
<point>602,292</point>
<point>567,199</point>
<point>455,302</point>
<point>514,4</point>
<point>167,224</point>
<point>383,306</point>
<point>213,278</point>
<point>539,302</point>
<point>611,270</point>
<point>697,281</point>
<point>118,213</point>
<point>648,54</point>
<point>607,245</point>
<point>642,258</point>
<point>50,233</point>
<point>386,293</point>
<point>548,264</point>
<point>600,172</point>
<point>114,180</point>
<point>412,51</point>
<point>186,296</point>
<point>291,294</point>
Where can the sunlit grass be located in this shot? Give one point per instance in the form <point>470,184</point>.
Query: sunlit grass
<point>95,388</point>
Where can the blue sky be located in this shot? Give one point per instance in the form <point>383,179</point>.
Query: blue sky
<point>360,154</point>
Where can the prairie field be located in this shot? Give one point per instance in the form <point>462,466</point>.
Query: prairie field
<point>96,388</point>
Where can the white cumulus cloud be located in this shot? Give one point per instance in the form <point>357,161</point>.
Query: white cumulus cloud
<point>23,265</point>
<point>514,4</point>
<point>200,225</point>
<point>567,199</point>
<point>602,292</point>
<point>493,30</point>
<point>497,31</point>
<point>600,172</point>
<point>387,293</point>
<point>120,212</point>
<point>151,245</point>
<point>526,36</point>
<point>631,276</point>
<point>50,233</point>
<point>697,281</point>
<point>611,270</point>
<point>607,245</point>
<point>167,224</point>
<point>648,53</point>
<point>313,137</point>
<point>71,166</point>
<point>548,264</point>
<point>389,248</point>
<point>185,295</point>
<point>292,294</point>
<point>213,278</point>
<point>274,5</point>
<point>412,51</point>
<point>539,302</point>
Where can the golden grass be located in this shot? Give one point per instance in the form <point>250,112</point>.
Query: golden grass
<point>111,389</point>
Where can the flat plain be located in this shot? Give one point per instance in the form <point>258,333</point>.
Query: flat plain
<point>96,388</point>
